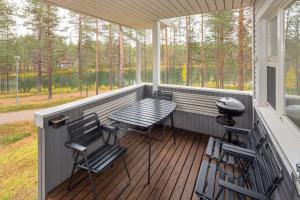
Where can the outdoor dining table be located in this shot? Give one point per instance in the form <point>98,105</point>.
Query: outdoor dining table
<point>143,115</point>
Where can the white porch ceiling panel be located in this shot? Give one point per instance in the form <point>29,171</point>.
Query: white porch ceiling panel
<point>140,14</point>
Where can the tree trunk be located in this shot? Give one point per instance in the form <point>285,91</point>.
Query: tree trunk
<point>202,54</point>
<point>297,53</point>
<point>97,56</point>
<point>241,34</point>
<point>174,52</point>
<point>7,69</point>
<point>49,52</point>
<point>110,58</point>
<point>167,57</point>
<point>121,58</point>
<point>39,61</point>
<point>221,57</point>
<point>187,50</point>
<point>144,58</point>
<point>80,52</point>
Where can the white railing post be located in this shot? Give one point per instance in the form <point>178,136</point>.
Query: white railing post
<point>156,54</point>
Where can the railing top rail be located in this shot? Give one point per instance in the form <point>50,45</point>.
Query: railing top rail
<point>49,112</point>
<point>227,91</point>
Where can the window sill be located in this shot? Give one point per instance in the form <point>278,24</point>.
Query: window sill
<point>284,135</point>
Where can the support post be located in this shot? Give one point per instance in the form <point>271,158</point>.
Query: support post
<point>156,54</point>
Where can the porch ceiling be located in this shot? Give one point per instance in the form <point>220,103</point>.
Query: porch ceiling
<point>140,14</point>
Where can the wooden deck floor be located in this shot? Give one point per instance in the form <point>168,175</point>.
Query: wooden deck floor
<point>174,170</point>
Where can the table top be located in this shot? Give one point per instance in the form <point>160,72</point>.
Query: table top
<point>144,113</point>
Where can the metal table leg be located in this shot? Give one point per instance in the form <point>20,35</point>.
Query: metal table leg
<point>149,155</point>
<point>172,123</point>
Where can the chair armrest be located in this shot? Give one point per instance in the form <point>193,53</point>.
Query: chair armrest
<point>75,146</point>
<point>241,190</point>
<point>240,131</point>
<point>237,151</point>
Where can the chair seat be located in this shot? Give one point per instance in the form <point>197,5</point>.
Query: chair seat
<point>103,157</point>
<point>213,150</point>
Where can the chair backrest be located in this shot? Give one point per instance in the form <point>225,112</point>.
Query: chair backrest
<point>266,171</point>
<point>84,130</point>
<point>258,136</point>
<point>163,95</point>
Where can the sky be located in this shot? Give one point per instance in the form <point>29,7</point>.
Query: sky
<point>23,30</point>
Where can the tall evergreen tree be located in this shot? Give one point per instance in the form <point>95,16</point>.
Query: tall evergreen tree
<point>121,57</point>
<point>51,23</point>
<point>36,12</point>
<point>6,41</point>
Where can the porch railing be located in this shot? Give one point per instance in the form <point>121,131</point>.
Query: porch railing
<point>55,161</point>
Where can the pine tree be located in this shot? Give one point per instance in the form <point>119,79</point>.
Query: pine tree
<point>241,36</point>
<point>6,40</point>
<point>36,17</point>
<point>97,55</point>
<point>110,57</point>
<point>121,57</point>
<point>51,22</point>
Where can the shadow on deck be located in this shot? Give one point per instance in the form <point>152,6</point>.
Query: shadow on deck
<point>174,170</point>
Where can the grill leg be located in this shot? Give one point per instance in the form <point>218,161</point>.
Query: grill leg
<point>126,168</point>
<point>72,173</point>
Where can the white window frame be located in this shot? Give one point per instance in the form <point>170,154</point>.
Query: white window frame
<point>283,132</point>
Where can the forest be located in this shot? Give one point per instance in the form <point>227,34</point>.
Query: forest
<point>64,51</point>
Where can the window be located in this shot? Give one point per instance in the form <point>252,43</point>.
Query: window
<point>271,86</point>
<point>292,62</point>
<point>272,37</point>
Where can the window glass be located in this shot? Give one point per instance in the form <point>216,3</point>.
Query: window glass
<point>292,62</point>
<point>212,50</point>
<point>271,86</point>
<point>272,37</point>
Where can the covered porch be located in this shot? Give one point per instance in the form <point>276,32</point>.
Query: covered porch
<point>175,167</point>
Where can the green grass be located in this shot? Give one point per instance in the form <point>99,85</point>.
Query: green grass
<point>33,92</point>
<point>18,162</point>
<point>36,105</point>
<point>9,139</point>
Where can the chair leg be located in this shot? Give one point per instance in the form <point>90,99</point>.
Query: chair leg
<point>90,176</point>
<point>219,193</point>
<point>92,184</point>
<point>126,168</point>
<point>220,159</point>
<point>72,173</point>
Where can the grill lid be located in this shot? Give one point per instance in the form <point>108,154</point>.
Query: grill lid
<point>229,103</point>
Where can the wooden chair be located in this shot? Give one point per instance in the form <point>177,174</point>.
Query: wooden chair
<point>263,177</point>
<point>243,140</point>
<point>82,133</point>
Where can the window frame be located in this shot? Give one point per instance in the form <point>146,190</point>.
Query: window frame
<point>289,122</point>
<point>278,62</point>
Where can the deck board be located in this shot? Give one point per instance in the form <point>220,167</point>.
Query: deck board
<point>174,169</point>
